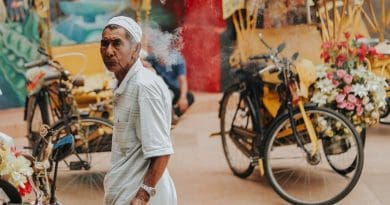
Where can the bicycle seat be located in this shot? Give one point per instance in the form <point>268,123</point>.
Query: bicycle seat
<point>38,76</point>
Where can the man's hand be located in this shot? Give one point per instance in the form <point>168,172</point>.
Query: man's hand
<point>141,198</point>
<point>182,104</point>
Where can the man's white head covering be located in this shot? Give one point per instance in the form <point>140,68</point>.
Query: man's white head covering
<point>129,24</point>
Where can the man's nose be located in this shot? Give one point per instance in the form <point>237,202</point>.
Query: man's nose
<point>110,51</point>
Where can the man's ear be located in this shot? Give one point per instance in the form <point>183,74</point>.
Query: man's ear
<point>136,51</point>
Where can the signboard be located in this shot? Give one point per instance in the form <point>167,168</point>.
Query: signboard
<point>230,6</point>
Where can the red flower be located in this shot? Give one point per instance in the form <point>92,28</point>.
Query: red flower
<point>347,35</point>
<point>342,44</point>
<point>362,51</point>
<point>381,56</point>
<point>26,190</point>
<point>340,60</point>
<point>325,55</point>
<point>358,36</point>
<point>350,51</point>
<point>372,51</point>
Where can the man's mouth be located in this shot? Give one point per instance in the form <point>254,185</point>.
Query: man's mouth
<point>110,63</point>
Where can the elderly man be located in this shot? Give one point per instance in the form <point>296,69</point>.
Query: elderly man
<point>141,143</point>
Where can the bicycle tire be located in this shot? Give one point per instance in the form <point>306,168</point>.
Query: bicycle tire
<point>294,193</point>
<point>352,167</point>
<point>36,115</point>
<point>11,192</point>
<point>75,178</point>
<point>106,147</point>
<point>247,168</point>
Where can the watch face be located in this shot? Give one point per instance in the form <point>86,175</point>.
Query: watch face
<point>152,192</point>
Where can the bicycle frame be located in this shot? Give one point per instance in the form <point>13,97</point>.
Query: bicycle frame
<point>289,92</point>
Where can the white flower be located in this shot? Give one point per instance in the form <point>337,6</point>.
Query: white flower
<point>321,71</point>
<point>374,114</point>
<point>359,90</point>
<point>373,85</point>
<point>369,107</point>
<point>332,96</point>
<point>319,98</point>
<point>366,100</point>
<point>325,85</point>
<point>360,72</point>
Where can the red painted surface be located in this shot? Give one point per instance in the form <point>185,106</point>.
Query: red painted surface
<point>202,27</point>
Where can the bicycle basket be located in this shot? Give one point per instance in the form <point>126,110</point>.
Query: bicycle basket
<point>63,148</point>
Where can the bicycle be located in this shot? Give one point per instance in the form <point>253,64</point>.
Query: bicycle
<point>50,105</point>
<point>287,138</point>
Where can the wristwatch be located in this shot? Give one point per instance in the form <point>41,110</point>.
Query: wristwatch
<point>150,190</point>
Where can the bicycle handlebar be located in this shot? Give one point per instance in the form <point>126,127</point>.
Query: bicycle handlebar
<point>259,57</point>
<point>40,62</point>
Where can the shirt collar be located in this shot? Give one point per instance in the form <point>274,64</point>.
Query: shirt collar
<point>130,74</point>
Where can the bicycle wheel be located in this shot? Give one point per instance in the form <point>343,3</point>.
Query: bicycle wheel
<point>300,178</point>
<point>81,175</point>
<point>37,114</point>
<point>236,118</point>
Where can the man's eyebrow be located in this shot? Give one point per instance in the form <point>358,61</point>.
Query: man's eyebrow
<point>111,39</point>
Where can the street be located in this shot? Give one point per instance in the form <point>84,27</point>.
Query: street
<point>202,176</point>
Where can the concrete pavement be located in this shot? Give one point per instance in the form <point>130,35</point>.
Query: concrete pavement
<point>200,170</point>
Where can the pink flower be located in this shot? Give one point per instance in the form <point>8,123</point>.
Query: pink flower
<point>335,83</point>
<point>359,110</point>
<point>350,106</point>
<point>343,104</point>
<point>347,89</point>
<point>352,99</point>
<point>326,45</point>
<point>340,98</point>
<point>329,76</point>
<point>348,79</point>
<point>341,73</point>
<point>340,60</point>
<point>358,102</point>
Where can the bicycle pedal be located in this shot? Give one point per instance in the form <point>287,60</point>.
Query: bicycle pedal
<point>78,165</point>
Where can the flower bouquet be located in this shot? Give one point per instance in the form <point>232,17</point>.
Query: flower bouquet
<point>15,168</point>
<point>344,83</point>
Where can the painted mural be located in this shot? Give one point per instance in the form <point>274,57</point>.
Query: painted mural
<point>72,22</point>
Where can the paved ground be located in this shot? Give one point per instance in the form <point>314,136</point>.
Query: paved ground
<point>200,171</point>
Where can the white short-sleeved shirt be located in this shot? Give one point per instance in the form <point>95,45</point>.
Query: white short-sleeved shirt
<point>142,120</point>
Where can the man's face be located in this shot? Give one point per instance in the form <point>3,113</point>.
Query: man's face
<point>116,49</point>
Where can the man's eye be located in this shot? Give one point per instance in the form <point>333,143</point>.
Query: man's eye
<point>104,43</point>
<point>117,43</point>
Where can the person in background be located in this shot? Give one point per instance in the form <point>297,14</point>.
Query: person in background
<point>174,75</point>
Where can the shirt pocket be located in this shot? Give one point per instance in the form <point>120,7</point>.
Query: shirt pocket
<point>125,136</point>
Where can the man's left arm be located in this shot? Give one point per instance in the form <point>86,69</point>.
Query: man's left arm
<point>182,101</point>
<point>154,134</point>
<point>156,170</point>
